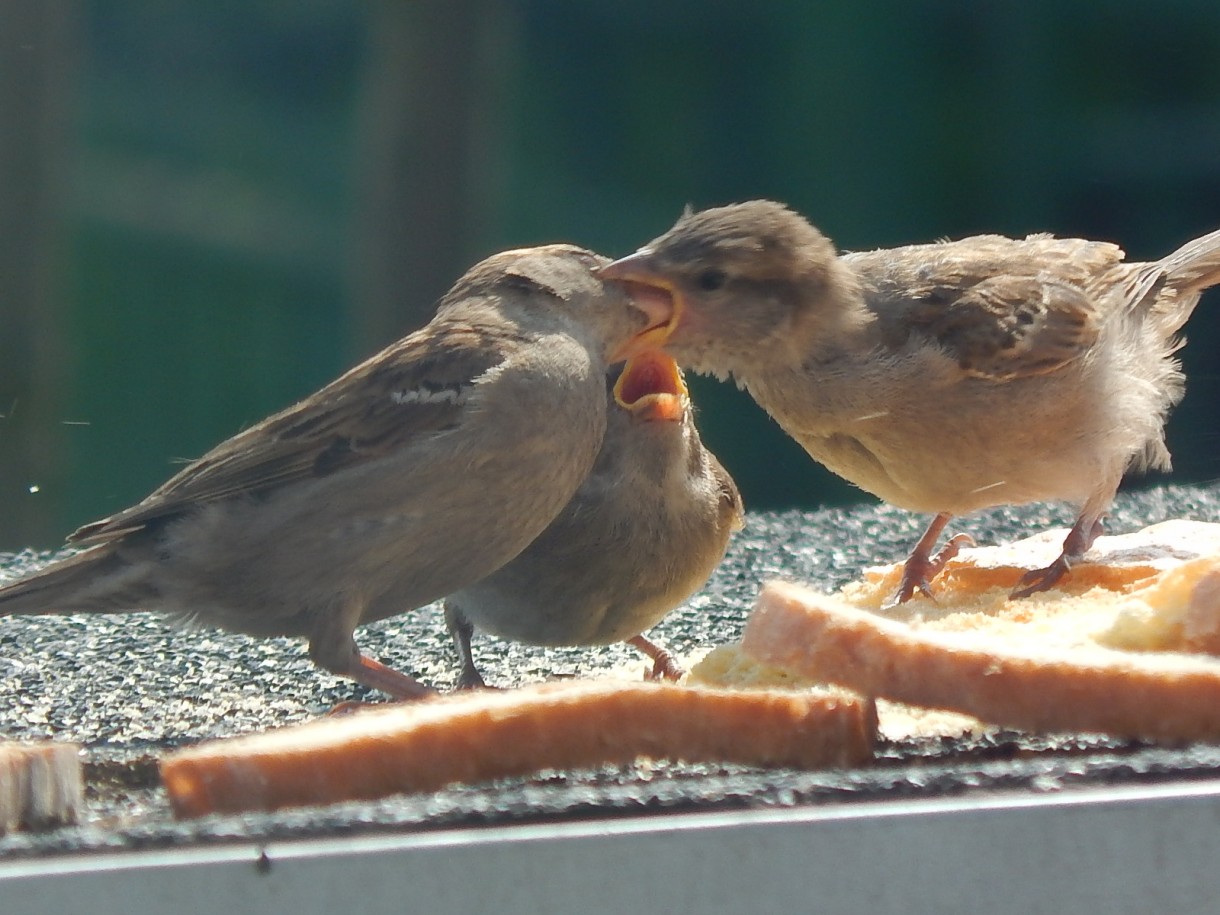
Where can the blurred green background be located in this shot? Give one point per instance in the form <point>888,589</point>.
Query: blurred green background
<point>207,210</point>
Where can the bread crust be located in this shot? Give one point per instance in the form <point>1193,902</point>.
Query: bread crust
<point>477,736</point>
<point>1160,696</point>
<point>41,784</point>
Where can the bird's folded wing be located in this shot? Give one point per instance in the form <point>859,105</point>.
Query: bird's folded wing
<point>1007,327</point>
<point>1001,308</point>
<point>417,387</point>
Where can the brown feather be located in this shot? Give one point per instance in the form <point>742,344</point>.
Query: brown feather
<point>363,415</point>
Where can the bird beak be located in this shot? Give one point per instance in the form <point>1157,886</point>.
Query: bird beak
<point>653,293</point>
<point>651,388</point>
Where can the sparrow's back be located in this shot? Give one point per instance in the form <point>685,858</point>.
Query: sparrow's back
<point>1003,288</point>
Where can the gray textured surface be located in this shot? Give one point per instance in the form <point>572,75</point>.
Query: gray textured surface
<point>127,687</point>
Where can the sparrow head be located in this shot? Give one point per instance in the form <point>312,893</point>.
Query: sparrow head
<point>736,276</point>
<point>558,284</point>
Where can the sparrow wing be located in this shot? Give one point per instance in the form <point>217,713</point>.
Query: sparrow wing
<point>1008,327</point>
<point>415,388</point>
<point>1002,308</point>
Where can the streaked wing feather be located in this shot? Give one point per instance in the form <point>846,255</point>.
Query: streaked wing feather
<point>415,387</point>
<point>1002,308</point>
<point>1009,327</point>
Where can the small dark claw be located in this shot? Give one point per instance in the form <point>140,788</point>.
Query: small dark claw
<point>470,678</point>
<point>917,575</point>
<point>1078,542</point>
<point>1041,579</point>
<point>913,579</point>
<point>919,571</point>
<point>921,566</point>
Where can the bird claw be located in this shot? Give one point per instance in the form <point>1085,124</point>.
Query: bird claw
<point>1037,580</point>
<point>664,666</point>
<point>1078,541</point>
<point>919,570</point>
<point>907,587</point>
<point>470,679</point>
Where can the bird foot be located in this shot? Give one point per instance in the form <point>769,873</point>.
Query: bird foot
<point>462,631</point>
<point>471,679</point>
<point>1041,579</point>
<point>332,648</point>
<point>1078,541</point>
<point>920,569</point>
<point>376,675</point>
<point>664,666</point>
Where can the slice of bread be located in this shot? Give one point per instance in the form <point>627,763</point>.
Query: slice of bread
<point>1142,609</point>
<point>481,735</point>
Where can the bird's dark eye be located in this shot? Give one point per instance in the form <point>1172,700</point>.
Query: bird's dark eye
<point>711,280</point>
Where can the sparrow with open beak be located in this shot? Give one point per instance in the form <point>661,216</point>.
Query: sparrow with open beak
<point>642,533</point>
<point>413,475</point>
<point>944,377</point>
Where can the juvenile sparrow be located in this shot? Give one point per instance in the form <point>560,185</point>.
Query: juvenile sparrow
<point>412,475</point>
<point>644,531</point>
<point>945,377</point>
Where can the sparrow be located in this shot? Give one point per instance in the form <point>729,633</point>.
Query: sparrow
<point>416,473</point>
<point>644,531</point>
<point>942,378</point>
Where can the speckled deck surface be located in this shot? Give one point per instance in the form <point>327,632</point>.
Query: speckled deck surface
<point>128,687</point>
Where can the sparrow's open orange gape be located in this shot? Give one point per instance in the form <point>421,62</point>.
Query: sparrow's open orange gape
<point>945,377</point>
<point>416,473</point>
